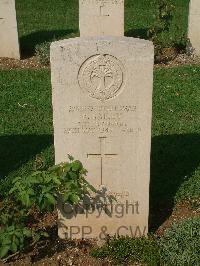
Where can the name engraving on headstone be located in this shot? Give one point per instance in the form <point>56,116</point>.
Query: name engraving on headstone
<point>101,76</point>
<point>102,119</point>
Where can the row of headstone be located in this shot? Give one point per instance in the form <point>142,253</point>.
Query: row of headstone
<point>96,18</point>
<point>106,17</point>
<point>102,104</point>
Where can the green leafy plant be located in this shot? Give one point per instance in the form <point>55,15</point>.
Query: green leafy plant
<point>125,250</point>
<point>16,231</point>
<point>42,188</point>
<point>163,19</point>
<point>10,213</point>
<point>164,16</point>
<point>14,238</point>
<point>40,192</point>
<point>180,244</point>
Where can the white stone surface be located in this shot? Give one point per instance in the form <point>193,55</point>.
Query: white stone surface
<point>101,17</point>
<point>194,26</point>
<point>102,105</point>
<point>9,43</point>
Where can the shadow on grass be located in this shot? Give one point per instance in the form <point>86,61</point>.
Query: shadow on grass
<point>137,33</point>
<point>18,149</point>
<point>173,160</point>
<point>29,42</point>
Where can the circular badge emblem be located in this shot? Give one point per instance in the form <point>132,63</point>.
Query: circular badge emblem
<point>101,76</point>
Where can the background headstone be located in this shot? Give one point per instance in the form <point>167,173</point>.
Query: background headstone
<point>101,17</point>
<point>102,104</point>
<point>9,43</point>
<point>194,26</point>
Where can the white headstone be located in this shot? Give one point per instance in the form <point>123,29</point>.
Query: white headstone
<point>101,17</point>
<point>102,104</point>
<point>194,26</point>
<point>9,43</point>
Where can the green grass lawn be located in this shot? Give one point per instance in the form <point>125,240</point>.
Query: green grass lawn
<point>26,131</point>
<point>41,21</point>
<point>26,120</point>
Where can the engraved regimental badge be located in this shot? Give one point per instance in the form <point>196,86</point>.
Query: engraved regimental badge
<point>101,76</point>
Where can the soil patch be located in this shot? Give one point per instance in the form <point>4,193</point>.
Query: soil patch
<point>33,63</point>
<point>181,211</point>
<point>179,60</point>
<point>56,252</point>
<point>28,63</point>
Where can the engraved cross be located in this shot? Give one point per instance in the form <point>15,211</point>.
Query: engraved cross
<point>102,73</point>
<point>102,155</point>
<point>102,14</point>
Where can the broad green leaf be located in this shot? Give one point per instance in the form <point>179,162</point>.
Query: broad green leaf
<point>50,198</point>
<point>26,200</point>
<point>40,199</point>
<point>18,233</point>
<point>12,190</point>
<point>66,196</point>
<point>36,173</point>
<point>67,167</point>
<point>35,179</point>
<point>13,247</point>
<point>73,175</point>
<point>47,178</point>
<point>93,189</point>
<point>54,168</point>
<point>21,240</point>
<point>17,241</point>
<point>74,198</point>
<point>6,241</point>
<point>16,179</point>
<point>4,251</point>
<point>10,228</point>
<point>56,180</point>
<point>76,165</point>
